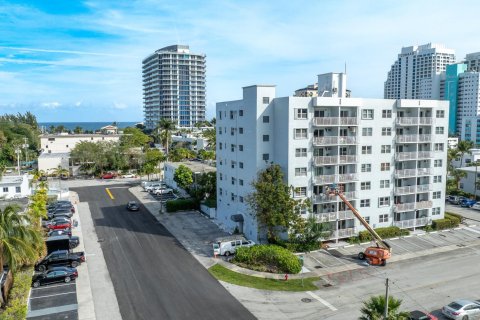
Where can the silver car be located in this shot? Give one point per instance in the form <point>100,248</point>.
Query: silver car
<point>462,310</point>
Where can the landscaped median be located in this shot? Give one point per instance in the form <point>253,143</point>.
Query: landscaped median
<point>224,274</point>
<point>16,308</point>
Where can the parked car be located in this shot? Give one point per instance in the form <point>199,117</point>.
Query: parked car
<point>62,206</point>
<point>46,222</point>
<point>59,203</point>
<point>468,203</point>
<point>228,245</point>
<point>462,309</point>
<point>151,187</point>
<point>60,258</point>
<point>133,206</point>
<point>108,175</point>
<point>455,199</point>
<point>128,175</point>
<point>162,190</point>
<point>57,274</point>
<point>64,232</point>
<point>476,206</point>
<point>59,223</point>
<point>149,182</point>
<point>420,315</point>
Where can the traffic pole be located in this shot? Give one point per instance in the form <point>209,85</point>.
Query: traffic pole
<point>385,313</point>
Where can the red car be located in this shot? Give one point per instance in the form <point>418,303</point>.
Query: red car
<point>109,175</point>
<point>59,225</point>
<point>420,315</point>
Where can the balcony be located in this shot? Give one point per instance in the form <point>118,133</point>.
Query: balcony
<point>333,140</point>
<point>406,156</point>
<point>426,120</point>
<point>424,188</point>
<point>349,177</point>
<point>322,198</point>
<point>326,179</point>
<point>407,121</point>
<point>409,206</point>
<point>329,160</point>
<point>424,171</point>
<point>342,233</point>
<point>335,121</point>
<point>405,173</point>
<point>348,121</point>
<point>404,190</point>
<point>425,155</point>
<point>413,138</point>
<point>424,205</point>
<point>348,159</point>
<point>411,223</point>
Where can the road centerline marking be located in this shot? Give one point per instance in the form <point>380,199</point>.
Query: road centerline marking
<point>109,193</point>
<point>325,303</point>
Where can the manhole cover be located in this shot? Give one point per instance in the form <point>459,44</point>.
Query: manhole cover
<point>101,240</point>
<point>318,267</point>
<point>327,285</point>
<point>306,300</point>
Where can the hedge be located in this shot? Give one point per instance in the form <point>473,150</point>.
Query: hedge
<point>450,221</point>
<point>267,258</point>
<point>298,246</point>
<point>450,215</point>
<point>211,203</point>
<point>16,308</point>
<point>387,232</point>
<point>181,204</point>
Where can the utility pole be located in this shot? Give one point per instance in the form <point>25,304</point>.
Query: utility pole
<point>385,313</point>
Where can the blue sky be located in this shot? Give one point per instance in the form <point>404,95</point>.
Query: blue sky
<point>68,60</point>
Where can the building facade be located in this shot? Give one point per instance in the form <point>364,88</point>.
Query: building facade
<point>449,91</point>
<point>388,156</point>
<point>12,187</point>
<point>417,72</point>
<point>174,86</point>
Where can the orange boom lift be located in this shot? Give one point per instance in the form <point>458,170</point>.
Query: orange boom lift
<point>375,255</point>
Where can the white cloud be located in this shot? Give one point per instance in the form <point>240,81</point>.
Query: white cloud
<point>78,103</point>
<point>119,105</point>
<point>50,105</point>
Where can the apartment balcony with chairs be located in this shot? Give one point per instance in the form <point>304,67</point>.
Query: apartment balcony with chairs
<point>411,223</point>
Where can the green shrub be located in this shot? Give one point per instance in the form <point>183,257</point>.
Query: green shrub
<point>181,204</point>
<point>452,216</point>
<point>211,203</point>
<point>450,221</point>
<point>387,232</point>
<point>16,308</point>
<point>297,246</point>
<point>268,258</point>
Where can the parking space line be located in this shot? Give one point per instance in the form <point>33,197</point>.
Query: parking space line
<point>325,303</point>
<point>397,245</point>
<point>339,260</point>
<point>429,242</point>
<point>54,286</point>
<point>414,244</point>
<point>52,310</point>
<point>109,193</point>
<point>53,295</point>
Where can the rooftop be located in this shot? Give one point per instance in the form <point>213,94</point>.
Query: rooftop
<point>46,155</point>
<point>11,179</point>
<point>470,169</point>
<point>195,166</point>
<point>82,135</point>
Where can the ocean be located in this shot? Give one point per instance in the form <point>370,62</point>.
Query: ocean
<point>90,126</point>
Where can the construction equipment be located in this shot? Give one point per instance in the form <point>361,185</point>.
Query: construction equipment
<point>375,255</point>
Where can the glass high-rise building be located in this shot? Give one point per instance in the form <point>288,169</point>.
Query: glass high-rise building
<point>174,86</point>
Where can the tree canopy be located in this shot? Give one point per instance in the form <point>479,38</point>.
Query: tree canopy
<point>183,176</point>
<point>374,307</point>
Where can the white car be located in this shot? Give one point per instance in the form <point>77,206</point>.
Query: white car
<point>162,190</point>
<point>476,206</point>
<point>151,187</point>
<point>128,175</point>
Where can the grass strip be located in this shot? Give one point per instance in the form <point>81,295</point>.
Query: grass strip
<point>227,275</point>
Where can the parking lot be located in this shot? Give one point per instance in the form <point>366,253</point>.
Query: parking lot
<point>418,243</point>
<point>56,301</point>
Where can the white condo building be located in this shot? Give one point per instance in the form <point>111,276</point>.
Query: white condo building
<point>174,86</point>
<point>417,72</point>
<point>389,156</point>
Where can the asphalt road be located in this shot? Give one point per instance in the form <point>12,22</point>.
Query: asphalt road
<point>153,275</point>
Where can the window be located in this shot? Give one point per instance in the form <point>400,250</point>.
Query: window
<point>384,184</point>
<point>67,145</point>
<point>240,147</point>
<point>18,189</point>
<point>383,218</point>
<point>234,180</point>
<point>439,130</point>
<point>5,189</point>
<point>385,166</point>
<point>221,176</point>
<point>386,113</point>
<point>266,138</point>
<point>367,219</point>
<point>240,113</point>
<point>300,192</point>
<point>241,199</point>
<point>440,114</point>
<point>438,146</point>
<point>435,211</point>
<point>300,114</point>
<point>233,164</point>
<point>240,182</point>
<point>231,114</point>
<point>386,148</point>
<point>300,134</point>
<point>266,100</point>
<point>220,130</point>
<point>367,114</point>
<point>300,172</point>
<point>364,203</point>
<point>301,152</point>
<point>232,131</point>
<point>367,132</point>
<point>240,165</point>
<point>437,179</point>
<point>265,156</point>
<point>232,148</point>
<point>437,163</point>
<point>366,149</point>
<point>383,201</point>
<point>232,196</point>
<point>365,185</point>
<point>240,130</point>
<point>53,139</point>
<point>266,119</point>
<point>436,195</point>
<point>220,115</point>
<point>220,146</point>
<point>366,167</point>
<point>386,131</point>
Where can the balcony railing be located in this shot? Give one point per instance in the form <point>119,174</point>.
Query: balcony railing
<point>411,223</point>
<point>405,138</point>
<point>424,205</point>
<point>425,155</point>
<point>414,121</point>
<point>405,190</point>
<point>334,121</point>
<point>349,177</point>
<point>324,179</point>
<point>424,171</point>
<point>342,233</point>
<point>326,160</point>
<point>319,141</point>
<point>332,216</point>
<point>426,120</point>
<point>348,159</point>
<point>410,206</point>
<point>405,173</point>
<point>406,155</point>
<point>349,121</point>
<point>424,188</point>
<point>321,198</point>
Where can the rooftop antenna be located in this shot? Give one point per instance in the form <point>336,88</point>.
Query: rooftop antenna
<point>345,67</point>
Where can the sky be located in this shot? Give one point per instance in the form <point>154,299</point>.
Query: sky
<point>68,60</point>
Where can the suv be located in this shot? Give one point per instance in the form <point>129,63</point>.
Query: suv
<point>60,258</point>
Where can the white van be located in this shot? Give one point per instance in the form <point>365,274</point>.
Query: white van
<point>228,245</point>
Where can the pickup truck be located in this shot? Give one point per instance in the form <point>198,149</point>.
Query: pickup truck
<point>61,242</point>
<point>60,258</point>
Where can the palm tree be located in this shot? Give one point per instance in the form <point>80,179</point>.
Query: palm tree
<point>78,130</point>
<point>51,129</point>
<point>457,175</point>
<point>18,240</point>
<point>452,154</point>
<point>165,127</point>
<point>374,307</point>
<point>211,136</point>
<point>59,172</point>
<point>464,147</point>
<point>3,167</point>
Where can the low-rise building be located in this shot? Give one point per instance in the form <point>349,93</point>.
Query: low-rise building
<point>110,129</point>
<point>468,158</point>
<point>452,142</point>
<point>197,168</point>
<point>47,162</point>
<point>12,187</point>
<point>54,143</point>
<point>468,183</point>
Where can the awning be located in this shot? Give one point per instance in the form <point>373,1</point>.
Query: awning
<point>237,217</point>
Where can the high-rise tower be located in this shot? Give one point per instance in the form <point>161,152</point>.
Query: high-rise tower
<point>174,86</point>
